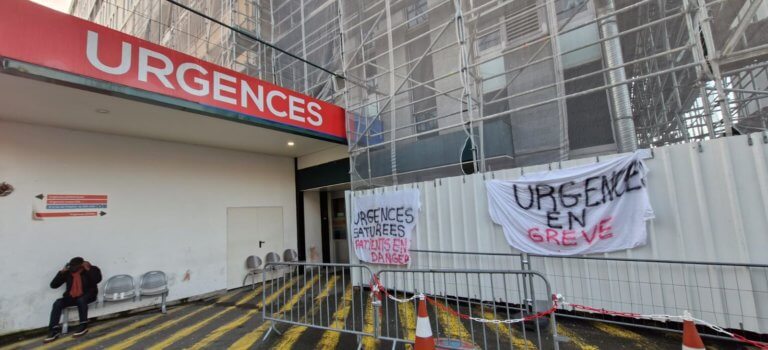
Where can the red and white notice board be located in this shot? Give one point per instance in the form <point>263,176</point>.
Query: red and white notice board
<point>71,206</point>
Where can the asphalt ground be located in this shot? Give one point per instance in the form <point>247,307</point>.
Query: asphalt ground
<point>234,321</point>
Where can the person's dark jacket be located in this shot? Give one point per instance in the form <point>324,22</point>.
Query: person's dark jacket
<point>91,279</point>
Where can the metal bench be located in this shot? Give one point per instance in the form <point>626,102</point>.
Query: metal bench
<point>152,284</point>
<point>253,264</point>
<point>119,288</point>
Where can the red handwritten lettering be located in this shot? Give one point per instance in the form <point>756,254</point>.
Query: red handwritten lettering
<point>602,231</point>
<point>604,228</point>
<point>552,235</point>
<point>569,238</point>
<point>534,235</point>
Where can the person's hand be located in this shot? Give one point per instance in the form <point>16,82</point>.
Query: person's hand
<point>86,265</point>
<point>65,269</point>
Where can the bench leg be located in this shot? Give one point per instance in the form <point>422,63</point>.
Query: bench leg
<point>162,304</point>
<point>65,321</point>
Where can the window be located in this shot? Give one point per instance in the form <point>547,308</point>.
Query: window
<point>580,38</point>
<point>425,121</point>
<point>416,13</point>
<point>492,73</point>
<point>569,8</point>
<point>488,41</point>
<point>369,68</point>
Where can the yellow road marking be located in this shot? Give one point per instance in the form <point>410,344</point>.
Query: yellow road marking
<point>292,335</point>
<point>110,335</point>
<point>452,326</point>
<point>575,339</point>
<point>506,332</point>
<point>408,321</point>
<point>330,338</point>
<point>165,325</point>
<point>246,341</point>
<point>327,290</point>
<point>619,332</point>
<point>185,332</point>
<point>106,325</point>
<point>116,333</point>
<point>63,340</point>
<point>219,332</point>
<point>251,338</point>
<point>289,338</point>
<point>369,343</point>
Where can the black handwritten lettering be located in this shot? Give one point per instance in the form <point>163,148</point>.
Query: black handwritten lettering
<point>553,216</point>
<point>606,189</point>
<point>588,189</point>
<point>573,217</point>
<point>517,199</point>
<point>563,195</point>
<point>543,191</point>
<point>632,172</point>
<point>617,177</point>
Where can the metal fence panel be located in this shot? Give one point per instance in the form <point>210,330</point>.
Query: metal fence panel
<point>471,305</point>
<point>719,293</point>
<point>320,296</point>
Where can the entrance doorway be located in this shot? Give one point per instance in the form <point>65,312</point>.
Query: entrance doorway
<point>339,227</point>
<point>251,231</point>
<point>334,227</point>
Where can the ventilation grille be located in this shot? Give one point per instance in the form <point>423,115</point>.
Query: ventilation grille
<point>522,22</point>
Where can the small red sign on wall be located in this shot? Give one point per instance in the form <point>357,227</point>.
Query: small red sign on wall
<point>71,205</point>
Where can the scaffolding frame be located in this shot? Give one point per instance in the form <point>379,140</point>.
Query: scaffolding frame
<point>471,75</point>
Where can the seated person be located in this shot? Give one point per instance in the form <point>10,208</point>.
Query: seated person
<point>81,280</point>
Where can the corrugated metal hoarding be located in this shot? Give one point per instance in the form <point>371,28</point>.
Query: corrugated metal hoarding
<point>711,205</point>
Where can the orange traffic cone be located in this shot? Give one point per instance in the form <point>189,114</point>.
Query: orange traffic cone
<point>424,339</point>
<point>691,338</point>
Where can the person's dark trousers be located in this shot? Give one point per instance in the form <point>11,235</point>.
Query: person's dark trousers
<point>65,302</point>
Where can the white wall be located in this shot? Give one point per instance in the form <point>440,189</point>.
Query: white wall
<point>330,154</point>
<point>167,211</point>
<point>313,235</point>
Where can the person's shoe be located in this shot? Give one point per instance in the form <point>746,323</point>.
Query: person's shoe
<point>52,335</point>
<point>81,330</point>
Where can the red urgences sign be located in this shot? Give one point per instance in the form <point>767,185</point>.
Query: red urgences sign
<point>37,35</point>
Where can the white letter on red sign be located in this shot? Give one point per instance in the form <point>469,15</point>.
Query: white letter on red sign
<point>314,109</point>
<point>271,95</point>
<point>296,104</point>
<point>160,73</point>
<point>247,93</point>
<point>183,68</point>
<point>218,87</point>
<point>92,52</point>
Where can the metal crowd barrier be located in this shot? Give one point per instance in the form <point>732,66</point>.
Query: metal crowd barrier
<point>479,308</point>
<point>318,296</point>
<point>482,308</point>
<point>731,295</point>
<point>494,308</point>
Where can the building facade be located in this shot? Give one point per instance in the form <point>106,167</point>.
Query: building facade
<point>444,87</point>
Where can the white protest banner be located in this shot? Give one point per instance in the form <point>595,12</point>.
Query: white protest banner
<point>594,208</point>
<point>382,225</point>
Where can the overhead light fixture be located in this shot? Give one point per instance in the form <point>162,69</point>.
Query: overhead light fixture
<point>102,110</point>
<point>290,144</point>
